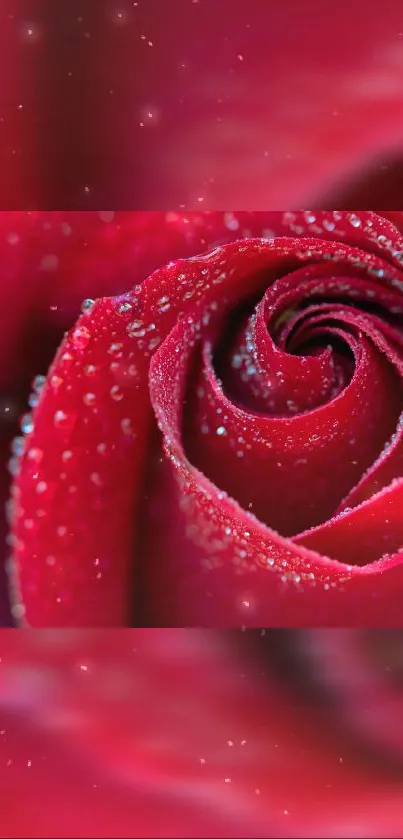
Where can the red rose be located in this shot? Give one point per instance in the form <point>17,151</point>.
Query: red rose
<point>272,492</point>
<point>195,733</point>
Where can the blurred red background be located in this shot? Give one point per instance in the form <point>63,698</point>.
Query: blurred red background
<point>195,104</point>
<point>198,733</point>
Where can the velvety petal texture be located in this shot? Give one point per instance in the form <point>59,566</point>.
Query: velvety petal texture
<point>222,445</point>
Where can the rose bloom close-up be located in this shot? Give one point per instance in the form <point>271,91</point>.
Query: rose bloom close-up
<point>218,440</point>
<point>201,733</point>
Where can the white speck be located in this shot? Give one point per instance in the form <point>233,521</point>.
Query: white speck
<point>60,417</point>
<point>230,221</point>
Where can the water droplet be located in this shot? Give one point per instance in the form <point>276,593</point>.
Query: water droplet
<point>60,418</point>
<point>14,466</point>
<point>116,393</point>
<point>27,424</point>
<point>124,307</point>
<point>18,445</point>
<point>376,272</point>
<point>38,383</point>
<point>33,400</point>
<point>81,337</point>
<point>135,329</point>
<point>87,305</point>
<point>354,220</point>
<point>126,425</point>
